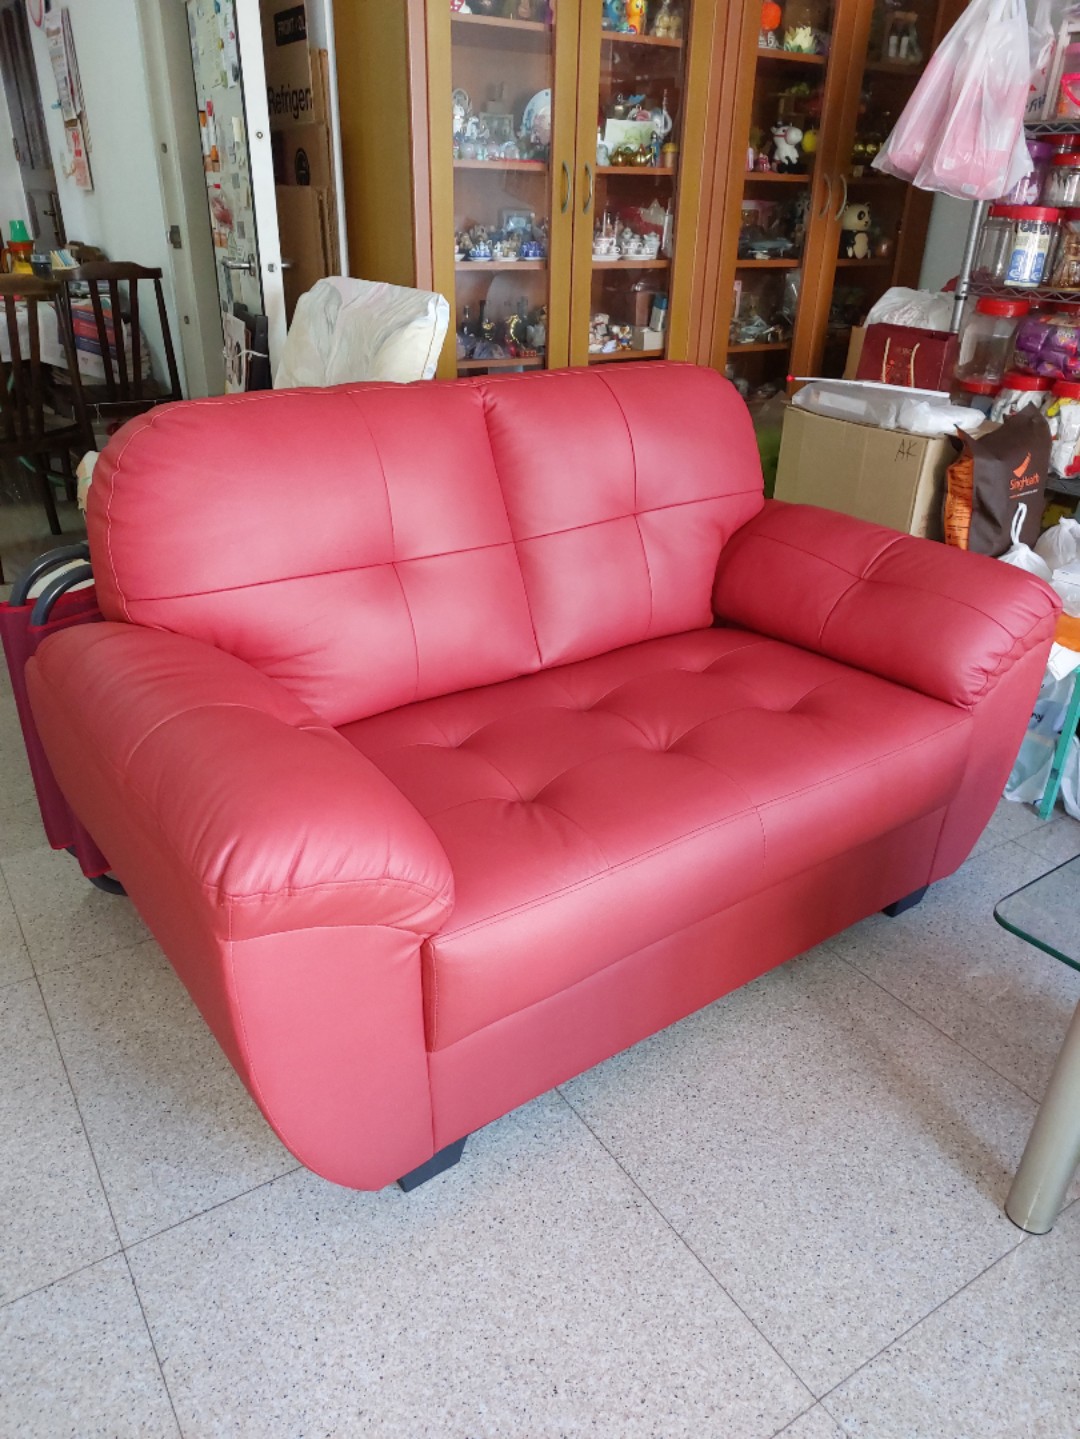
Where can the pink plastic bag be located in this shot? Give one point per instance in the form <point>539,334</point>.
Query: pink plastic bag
<point>962,130</point>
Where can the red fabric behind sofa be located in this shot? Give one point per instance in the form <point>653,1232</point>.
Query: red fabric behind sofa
<point>451,737</point>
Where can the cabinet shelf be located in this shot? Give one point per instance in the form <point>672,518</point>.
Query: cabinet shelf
<point>539,167</point>
<point>506,363</point>
<point>502,266</point>
<point>789,57</point>
<point>499,22</point>
<point>635,169</point>
<point>626,355</point>
<point>631,264</point>
<point>767,264</point>
<point>499,32</point>
<point>766,177</point>
<point>759,347</point>
<point>616,37</point>
<point>894,67</point>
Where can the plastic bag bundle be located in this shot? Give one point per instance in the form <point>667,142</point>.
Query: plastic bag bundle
<point>962,130</point>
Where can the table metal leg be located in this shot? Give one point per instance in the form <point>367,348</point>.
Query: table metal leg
<point>1053,1148</point>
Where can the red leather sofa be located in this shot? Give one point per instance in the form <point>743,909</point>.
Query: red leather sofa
<point>452,737</point>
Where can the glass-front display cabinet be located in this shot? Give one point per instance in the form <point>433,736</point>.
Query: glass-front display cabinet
<point>538,162</point>
<point>811,235</point>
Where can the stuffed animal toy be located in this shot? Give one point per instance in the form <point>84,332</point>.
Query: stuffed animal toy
<point>854,237</point>
<point>786,155</point>
<point>635,16</point>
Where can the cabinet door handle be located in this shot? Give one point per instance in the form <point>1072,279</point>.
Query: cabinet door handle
<point>843,203</point>
<point>588,198</point>
<point>566,188</point>
<point>827,206</point>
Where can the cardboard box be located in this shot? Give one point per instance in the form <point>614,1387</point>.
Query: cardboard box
<point>295,74</point>
<point>888,476</point>
<point>303,219</point>
<point>302,156</point>
<point>854,351</point>
<point>645,339</point>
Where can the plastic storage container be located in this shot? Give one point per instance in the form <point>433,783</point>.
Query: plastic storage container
<point>995,245</point>
<point>1019,392</point>
<point>1034,230</point>
<point>979,394</point>
<point>1063,180</point>
<point>1065,272</point>
<point>986,344</point>
<point>1047,343</point>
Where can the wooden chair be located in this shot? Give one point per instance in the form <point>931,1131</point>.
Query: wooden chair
<point>29,431</point>
<point>125,391</point>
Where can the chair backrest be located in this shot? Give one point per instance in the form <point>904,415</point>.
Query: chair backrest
<point>23,386</point>
<point>124,383</point>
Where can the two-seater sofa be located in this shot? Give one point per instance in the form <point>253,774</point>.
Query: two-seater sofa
<point>452,737</point>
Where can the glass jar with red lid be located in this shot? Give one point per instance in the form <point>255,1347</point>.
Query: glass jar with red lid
<point>1020,392</point>
<point>986,344</point>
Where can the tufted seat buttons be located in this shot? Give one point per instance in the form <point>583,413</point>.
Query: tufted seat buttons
<point>695,781</point>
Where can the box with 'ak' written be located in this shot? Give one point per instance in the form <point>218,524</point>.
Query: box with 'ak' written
<point>890,477</point>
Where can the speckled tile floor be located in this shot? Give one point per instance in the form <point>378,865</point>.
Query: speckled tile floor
<point>782,1216</point>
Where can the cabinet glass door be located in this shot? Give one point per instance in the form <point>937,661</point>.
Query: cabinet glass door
<point>781,186</point>
<point>636,113</point>
<point>512,68</point>
<point>881,222</point>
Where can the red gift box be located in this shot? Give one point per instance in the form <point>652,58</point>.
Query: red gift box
<point>906,355</point>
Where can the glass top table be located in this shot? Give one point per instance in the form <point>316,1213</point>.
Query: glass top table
<point>1046,913</point>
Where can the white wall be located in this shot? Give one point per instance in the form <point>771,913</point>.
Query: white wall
<point>123,215</point>
<point>945,240</point>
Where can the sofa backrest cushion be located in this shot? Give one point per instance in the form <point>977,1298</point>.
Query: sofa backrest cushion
<point>622,484</point>
<point>371,545</point>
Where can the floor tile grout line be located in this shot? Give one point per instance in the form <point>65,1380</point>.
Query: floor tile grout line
<point>686,1244</point>
<point>153,1346</point>
<point>1024,1237</point>
<point>60,1279</point>
<point>817,1404</point>
<point>985,1063</point>
<point>108,1202</point>
<point>210,1208</point>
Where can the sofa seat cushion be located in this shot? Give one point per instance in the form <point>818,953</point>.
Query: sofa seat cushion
<point>592,809</point>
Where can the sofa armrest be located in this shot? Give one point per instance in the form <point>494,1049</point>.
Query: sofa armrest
<point>937,620</point>
<point>279,821</point>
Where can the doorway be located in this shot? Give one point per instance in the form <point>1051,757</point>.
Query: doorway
<point>18,74</point>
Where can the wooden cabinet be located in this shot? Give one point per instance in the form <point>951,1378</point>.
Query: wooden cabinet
<point>453,121</point>
<point>780,311</point>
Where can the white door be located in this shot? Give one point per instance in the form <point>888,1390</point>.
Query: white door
<point>234,136</point>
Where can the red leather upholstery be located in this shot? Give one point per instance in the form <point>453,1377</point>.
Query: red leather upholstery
<point>840,587</point>
<point>561,808</point>
<point>368,556</point>
<point>700,769</point>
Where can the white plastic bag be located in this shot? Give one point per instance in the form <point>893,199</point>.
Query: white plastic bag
<point>1041,45</point>
<point>962,130</point>
<point>1066,582</point>
<point>1031,770</point>
<point>1060,545</point>
<point>1022,556</point>
<point>918,309</point>
<point>981,152</point>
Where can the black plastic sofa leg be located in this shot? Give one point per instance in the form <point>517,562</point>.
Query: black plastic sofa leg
<point>107,883</point>
<point>445,1159</point>
<point>909,901</point>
